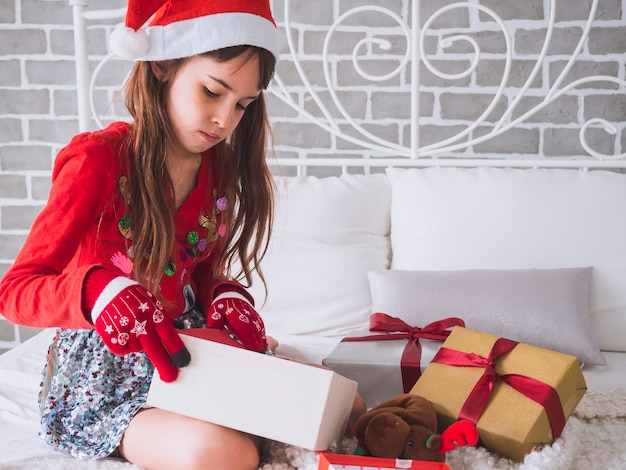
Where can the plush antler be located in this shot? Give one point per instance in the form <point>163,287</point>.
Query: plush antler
<point>461,433</point>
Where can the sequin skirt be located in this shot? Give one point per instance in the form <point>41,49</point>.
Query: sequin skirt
<point>89,395</point>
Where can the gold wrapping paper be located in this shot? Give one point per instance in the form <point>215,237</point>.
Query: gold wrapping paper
<point>511,424</point>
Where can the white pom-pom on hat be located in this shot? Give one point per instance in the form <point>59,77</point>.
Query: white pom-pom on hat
<point>129,44</point>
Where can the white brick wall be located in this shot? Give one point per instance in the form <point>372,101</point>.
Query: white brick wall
<point>38,106</point>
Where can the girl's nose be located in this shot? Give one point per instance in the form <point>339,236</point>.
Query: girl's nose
<point>223,116</point>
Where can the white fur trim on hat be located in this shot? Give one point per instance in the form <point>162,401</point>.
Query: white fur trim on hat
<point>187,38</point>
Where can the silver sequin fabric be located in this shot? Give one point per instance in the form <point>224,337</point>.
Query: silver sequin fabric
<point>89,395</point>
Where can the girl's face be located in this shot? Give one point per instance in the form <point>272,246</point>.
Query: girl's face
<point>207,99</point>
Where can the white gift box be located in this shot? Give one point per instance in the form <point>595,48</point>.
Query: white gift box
<point>287,401</point>
<point>387,359</point>
<point>375,364</point>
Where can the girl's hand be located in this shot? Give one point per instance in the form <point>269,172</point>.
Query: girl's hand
<point>130,319</point>
<point>232,312</point>
<point>272,344</point>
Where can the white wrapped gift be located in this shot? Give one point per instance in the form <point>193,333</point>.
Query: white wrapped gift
<point>387,359</point>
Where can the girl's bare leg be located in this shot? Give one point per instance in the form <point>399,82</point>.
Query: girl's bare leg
<point>158,439</point>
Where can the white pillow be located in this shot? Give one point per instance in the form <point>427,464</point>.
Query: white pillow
<point>489,218</point>
<point>328,233</point>
<point>548,308</point>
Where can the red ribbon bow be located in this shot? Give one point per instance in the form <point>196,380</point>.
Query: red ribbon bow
<point>476,401</point>
<point>397,328</point>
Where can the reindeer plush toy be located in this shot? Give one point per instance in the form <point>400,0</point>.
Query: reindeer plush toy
<point>405,427</point>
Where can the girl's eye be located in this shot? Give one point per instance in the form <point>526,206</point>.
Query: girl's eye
<point>209,93</point>
<point>241,107</point>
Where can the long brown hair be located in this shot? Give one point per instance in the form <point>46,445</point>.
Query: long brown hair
<point>246,179</point>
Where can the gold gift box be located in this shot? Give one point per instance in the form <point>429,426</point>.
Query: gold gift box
<point>511,424</point>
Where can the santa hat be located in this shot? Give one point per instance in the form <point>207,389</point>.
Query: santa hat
<point>183,28</point>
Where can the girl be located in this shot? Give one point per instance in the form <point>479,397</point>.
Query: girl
<point>142,226</point>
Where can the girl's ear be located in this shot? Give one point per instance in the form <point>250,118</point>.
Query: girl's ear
<point>159,68</point>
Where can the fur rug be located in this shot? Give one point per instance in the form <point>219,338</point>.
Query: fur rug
<point>594,437</point>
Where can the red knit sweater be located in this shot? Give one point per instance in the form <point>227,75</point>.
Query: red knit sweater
<point>87,223</point>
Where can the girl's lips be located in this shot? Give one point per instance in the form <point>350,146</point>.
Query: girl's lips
<point>210,138</point>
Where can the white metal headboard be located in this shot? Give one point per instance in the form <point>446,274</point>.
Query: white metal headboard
<point>416,55</point>
<point>309,99</point>
<point>338,122</point>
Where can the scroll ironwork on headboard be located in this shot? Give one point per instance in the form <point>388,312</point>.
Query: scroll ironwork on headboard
<point>340,123</point>
<point>418,49</point>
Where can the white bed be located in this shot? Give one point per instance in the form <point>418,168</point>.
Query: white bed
<point>366,222</point>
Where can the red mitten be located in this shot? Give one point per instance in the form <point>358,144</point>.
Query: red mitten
<point>232,312</point>
<point>130,319</point>
<point>460,433</point>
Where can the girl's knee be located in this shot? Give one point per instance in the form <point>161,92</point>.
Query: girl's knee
<point>158,439</point>
<point>221,448</point>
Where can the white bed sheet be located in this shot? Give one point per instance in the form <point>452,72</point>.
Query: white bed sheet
<point>612,375</point>
<point>20,375</point>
